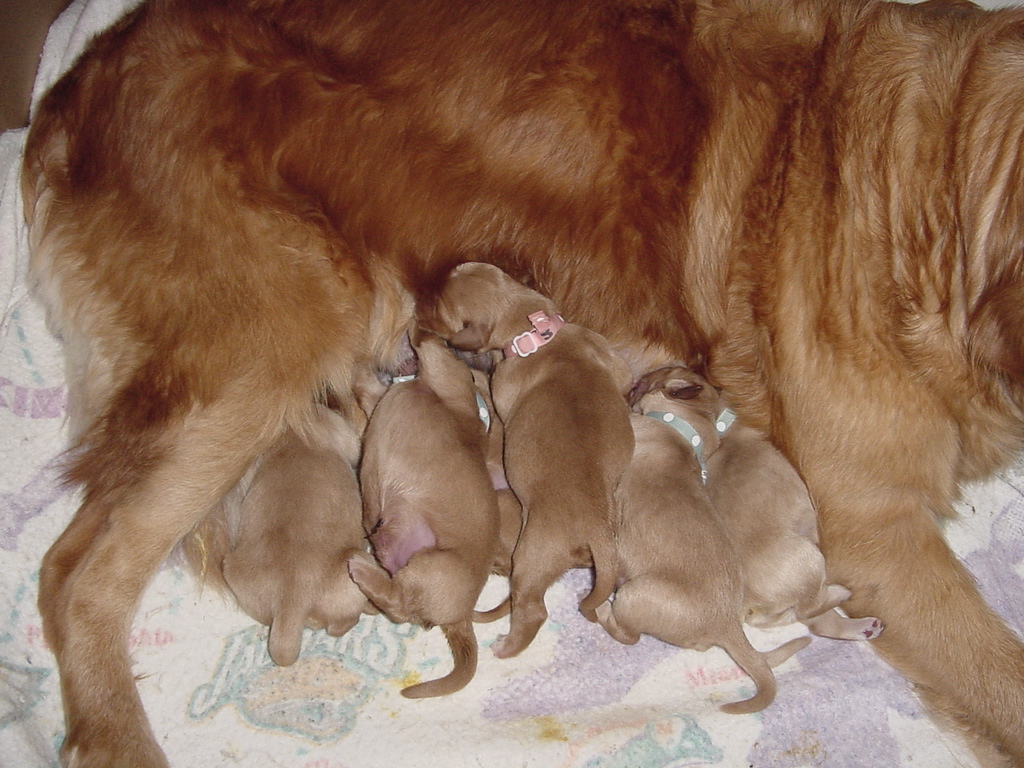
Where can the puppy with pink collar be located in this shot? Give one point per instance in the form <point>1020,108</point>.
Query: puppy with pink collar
<point>566,445</point>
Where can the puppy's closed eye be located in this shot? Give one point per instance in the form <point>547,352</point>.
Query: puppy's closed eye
<point>683,390</point>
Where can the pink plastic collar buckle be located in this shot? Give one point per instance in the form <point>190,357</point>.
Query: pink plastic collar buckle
<point>544,330</point>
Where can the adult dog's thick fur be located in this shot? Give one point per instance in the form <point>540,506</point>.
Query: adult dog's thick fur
<point>819,203</point>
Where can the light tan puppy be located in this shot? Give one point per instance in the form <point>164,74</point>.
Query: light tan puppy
<point>298,523</point>
<point>429,507</point>
<point>679,572</point>
<point>766,509</point>
<point>560,393</point>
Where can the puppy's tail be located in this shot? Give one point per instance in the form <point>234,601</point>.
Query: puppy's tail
<point>499,611</point>
<point>606,572</point>
<point>462,641</point>
<point>759,666</point>
<point>285,640</point>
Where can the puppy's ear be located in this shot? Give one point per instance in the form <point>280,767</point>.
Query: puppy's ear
<point>473,337</point>
<point>638,391</point>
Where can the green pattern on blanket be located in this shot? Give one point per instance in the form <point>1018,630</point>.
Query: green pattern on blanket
<point>319,697</point>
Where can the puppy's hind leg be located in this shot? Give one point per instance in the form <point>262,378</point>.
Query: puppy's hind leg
<point>539,561</point>
<point>528,615</point>
<point>375,582</point>
<point>835,625</point>
<point>823,620</point>
<point>602,550</point>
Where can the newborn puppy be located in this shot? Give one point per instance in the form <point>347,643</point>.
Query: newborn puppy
<point>679,573</point>
<point>298,523</point>
<point>430,507</point>
<point>766,509</point>
<point>560,393</point>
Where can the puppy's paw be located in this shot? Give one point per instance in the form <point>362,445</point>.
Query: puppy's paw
<point>867,628</point>
<point>373,580</point>
<point>503,649</point>
<point>361,567</point>
<point>606,618</point>
<point>872,628</point>
<point>835,625</point>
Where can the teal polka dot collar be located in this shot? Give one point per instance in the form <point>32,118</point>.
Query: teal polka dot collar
<point>683,427</point>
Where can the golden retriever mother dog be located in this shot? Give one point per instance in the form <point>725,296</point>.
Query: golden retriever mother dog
<point>817,203</point>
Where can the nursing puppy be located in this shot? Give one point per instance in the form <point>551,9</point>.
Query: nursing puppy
<point>429,507</point>
<point>299,522</point>
<point>765,508</point>
<point>819,202</point>
<point>560,394</point>
<point>679,573</point>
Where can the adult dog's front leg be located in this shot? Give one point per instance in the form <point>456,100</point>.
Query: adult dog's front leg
<point>879,490</point>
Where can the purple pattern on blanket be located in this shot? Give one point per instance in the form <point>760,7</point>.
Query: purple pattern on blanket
<point>832,707</point>
<point>584,653</point>
<point>17,508</point>
<point>33,402</point>
<point>995,567</point>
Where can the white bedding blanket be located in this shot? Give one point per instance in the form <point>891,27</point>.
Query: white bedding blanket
<point>574,699</point>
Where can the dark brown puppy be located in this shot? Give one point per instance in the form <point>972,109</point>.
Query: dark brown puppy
<point>560,393</point>
<point>820,202</point>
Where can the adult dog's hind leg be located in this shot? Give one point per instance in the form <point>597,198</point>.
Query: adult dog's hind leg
<point>966,663</point>
<point>879,490</point>
<point>95,574</point>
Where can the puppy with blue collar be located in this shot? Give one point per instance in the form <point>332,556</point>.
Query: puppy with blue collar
<point>680,577</point>
<point>764,506</point>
